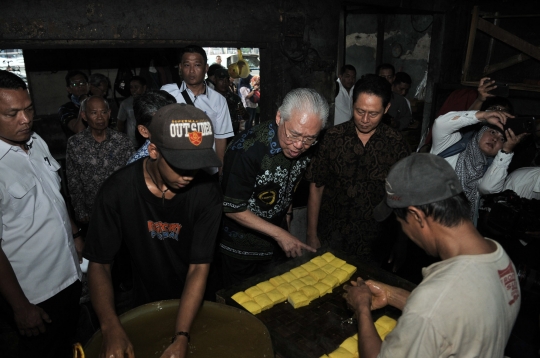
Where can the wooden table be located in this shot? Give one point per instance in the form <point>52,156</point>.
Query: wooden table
<point>320,327</point>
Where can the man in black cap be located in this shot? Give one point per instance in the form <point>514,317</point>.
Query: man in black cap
<point>167,217</point>
<point>467,303</point>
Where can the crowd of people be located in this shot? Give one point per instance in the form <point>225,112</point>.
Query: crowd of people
<point>204,204</point>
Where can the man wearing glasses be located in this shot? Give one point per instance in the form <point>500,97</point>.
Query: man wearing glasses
<point>77,88</point>
<point>261,171</point>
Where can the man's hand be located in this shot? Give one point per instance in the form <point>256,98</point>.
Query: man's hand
<point>79,246</point>
<point>177,349</point>
<point>358,295</point>
<point>313,241</point>
<point>116,344</point>
<point>30,320</point>
<point>379,292</point>
<point>292,246</point>
<point>512,140</point>
<point>496,118</point>
<point>485,85</point>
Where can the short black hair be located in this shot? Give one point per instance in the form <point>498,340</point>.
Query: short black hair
<point>146,105</point>
<point>402,77</point>
<point>9,80</point>
<point>346,68</point>
<point>212,69</point>
<point>448,212</point>
<point>386,66</point>
<point>74,73</point>
<point>497,101</point>
<point>193,49</point>
<point>139,79</point>
<point>373,85</point>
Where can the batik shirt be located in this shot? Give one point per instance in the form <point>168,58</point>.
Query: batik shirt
<point>257,177</point>
<point>353,176</point>
<point>89,163</point>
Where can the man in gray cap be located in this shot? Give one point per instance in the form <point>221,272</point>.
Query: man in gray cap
<point>467,303</point>
<point>166,216</point>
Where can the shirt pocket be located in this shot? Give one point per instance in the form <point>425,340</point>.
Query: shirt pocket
<point>54,174</point>
<point>23,198</point>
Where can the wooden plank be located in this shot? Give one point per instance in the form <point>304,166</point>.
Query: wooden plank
<point>509,38</point>
<point>510,61</point>
<point>470,45</point>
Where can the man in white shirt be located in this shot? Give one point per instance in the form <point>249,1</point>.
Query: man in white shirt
<point>194,91</point>
<point>40,246</point>
<point>466,304</point>
<point>345,88</point>
<point>525,182</point>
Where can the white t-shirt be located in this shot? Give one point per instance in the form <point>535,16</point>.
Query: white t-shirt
<point>35,229</point>
<point>343,104</point>
<point>465,306</point>
<point>525,182</point>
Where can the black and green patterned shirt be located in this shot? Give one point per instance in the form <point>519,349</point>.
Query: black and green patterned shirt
<point>257,177</point>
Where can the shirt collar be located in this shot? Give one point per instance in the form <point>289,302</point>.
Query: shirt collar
<point>6,147</point>
<point>183,87</point>
<point>88,134</point>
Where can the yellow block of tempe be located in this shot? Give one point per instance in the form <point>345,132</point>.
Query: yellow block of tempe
<point>310,292</point>
<point>319,261</point>
<point>341,353</point>
<point>264,301</point>
<point>298,284</point>
<point>308,280</point>
<point>276,296</point>
<point>265,286</point>
<point>276,281</point>
<point>241,297</point>
<point>385,325</point>
<point>350,344</point>
<point>318,274</point>
<point>337,262</point>
<point>309,266</point>
<point>328,268</point>
<point>328,257</point>
<point>298,299</point>
<point>299,272</point>
<point>323,288</point>
<point>253,291</point>
<point>331,281</point>
<point>286,289</point>
<point>288,277</point>
<point>350,269</point>
<point>252,306</point>
<point>340,274</point>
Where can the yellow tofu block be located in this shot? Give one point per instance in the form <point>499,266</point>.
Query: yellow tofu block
<point>341,353</point>
<point>264,301</point>
<point>276,281</point>
<point>241,297</point>
<point>276,296</point>
<point>298,284</point>
<point>387,322</point>
<point>324,356</point>
<point>298,299</point>
<point>319,261</point>
<point>328,268</point>
<point>253,291</point>
<point>299,272</point>
<point>350,344</point>
<point>252,306</point>
<point>323,288</point>
<point>308,280</point>
<point>350,269</point>
<point>328,257</point>
<point>318,274</point>
<point>340,274</point>
<point>309,266</point>
<point>286,289</point>
<point>288,277</point>
<point>265,286</point>
<point>337,262</point>
<point>356,336</point>
<point>310,292</point>
<point>331,281</point>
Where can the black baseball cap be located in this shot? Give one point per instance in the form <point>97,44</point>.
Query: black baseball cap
<point>185,137</point>
<point>418,179</point>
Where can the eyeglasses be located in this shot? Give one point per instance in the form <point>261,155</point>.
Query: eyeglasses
<point>78,84</point>
<point>295,139</point>
<point>496,134</point>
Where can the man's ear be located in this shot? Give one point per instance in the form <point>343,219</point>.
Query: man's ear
<point>206,70</point>
<point>387,107</point>
<point>278,118</point>
<point>417,215</point>
<point>153,152</point>
<point>143,131</point>
<point>83,116</point>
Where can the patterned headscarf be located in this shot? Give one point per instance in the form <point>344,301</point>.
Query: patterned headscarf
<point>471,165</point>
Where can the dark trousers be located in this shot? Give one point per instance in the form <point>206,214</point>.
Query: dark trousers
<point>235,270</point>
<point>57,341</point>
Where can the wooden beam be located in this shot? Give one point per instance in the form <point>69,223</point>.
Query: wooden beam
<point>510,61</point>
<point>470,45</point>
<point>508,38</point>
